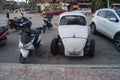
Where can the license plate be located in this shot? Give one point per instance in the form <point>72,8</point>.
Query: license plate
<point>74,53</point>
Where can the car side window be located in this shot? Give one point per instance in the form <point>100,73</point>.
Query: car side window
<point>118,12</point>
<point>101,13</point>
<point>110,14</point>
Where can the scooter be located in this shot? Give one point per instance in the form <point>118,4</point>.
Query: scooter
<point>47,23</point>
<point>15,23</point>
<point>29,42</point>
<point>3,35</point>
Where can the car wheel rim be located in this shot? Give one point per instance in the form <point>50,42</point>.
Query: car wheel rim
<point>117,42</point>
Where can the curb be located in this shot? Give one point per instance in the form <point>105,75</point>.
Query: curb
<point>17,71</point>
<point>63,66</point>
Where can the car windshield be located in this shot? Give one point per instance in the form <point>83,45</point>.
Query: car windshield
<point>118,12</point>
<point>73,20</point>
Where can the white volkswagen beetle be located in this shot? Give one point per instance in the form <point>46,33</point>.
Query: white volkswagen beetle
<point>72,37</point>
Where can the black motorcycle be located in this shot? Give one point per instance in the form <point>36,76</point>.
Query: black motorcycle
<point>47,23</point>
<point>17,23</point>
<point>29,42</point>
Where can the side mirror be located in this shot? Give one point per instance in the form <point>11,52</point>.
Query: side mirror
<point>22,13</point>
<point>43,29</point>
<point>15,17</point>
<point>113,19</point>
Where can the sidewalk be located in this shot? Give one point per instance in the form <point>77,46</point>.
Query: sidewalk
<point>58,72</point>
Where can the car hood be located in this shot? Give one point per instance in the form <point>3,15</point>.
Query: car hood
<point>73,31</point>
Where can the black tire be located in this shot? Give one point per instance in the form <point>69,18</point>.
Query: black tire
<point>92,48</point>
<point>44,28</point>
<point>61,48</point>
<point>22,59</point>
<point>4,41</point>
<point>54,46</point>
<point>93,29</point>
<point>117,42</point>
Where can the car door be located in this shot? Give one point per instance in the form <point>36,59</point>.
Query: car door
<point>100,21</point>
<point>110,26</point>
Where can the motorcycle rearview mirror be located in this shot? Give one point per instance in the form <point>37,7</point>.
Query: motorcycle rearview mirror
<point>30,17</point>
<point>41,28</point>
<point>15,17</point>
<point>22,13</point>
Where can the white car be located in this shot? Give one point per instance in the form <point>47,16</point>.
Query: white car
<point>107,22</point>
<point>86,10</point>
<point>72,37</point>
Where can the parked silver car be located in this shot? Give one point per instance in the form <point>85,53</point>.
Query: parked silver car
<point>107,22</point>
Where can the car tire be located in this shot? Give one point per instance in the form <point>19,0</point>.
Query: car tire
<point>93,29</point>
<point>91,48</point>
<point>22,59</point>
<point>117,42</point>
<point>61,48</point>
<point>54,46</point>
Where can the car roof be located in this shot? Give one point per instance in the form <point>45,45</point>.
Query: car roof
<point>72,13</point>
<point>111,9</point>
<point>106,9</point>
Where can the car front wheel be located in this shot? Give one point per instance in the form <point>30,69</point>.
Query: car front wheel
<point>54,46</point>
<point>117,42</point>
<point>93,28</point>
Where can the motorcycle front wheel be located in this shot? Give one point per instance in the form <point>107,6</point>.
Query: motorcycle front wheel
<point>22,59</point>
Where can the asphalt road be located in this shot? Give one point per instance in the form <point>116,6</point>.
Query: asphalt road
<point>105,52</point>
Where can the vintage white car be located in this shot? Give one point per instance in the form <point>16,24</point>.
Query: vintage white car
<point>72,37</point>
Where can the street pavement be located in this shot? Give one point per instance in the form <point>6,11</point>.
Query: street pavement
<point>105,52</point>
<point>104,65</point>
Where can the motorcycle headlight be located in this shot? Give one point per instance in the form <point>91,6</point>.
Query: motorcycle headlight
<point>24,45</point>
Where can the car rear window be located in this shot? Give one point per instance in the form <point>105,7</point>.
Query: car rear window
<point>73,20</point>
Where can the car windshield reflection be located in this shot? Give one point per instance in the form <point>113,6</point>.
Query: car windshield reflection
<point>73,20</point>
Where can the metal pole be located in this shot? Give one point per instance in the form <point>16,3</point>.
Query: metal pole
<point>52,7</point>
<point>108,3</point>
